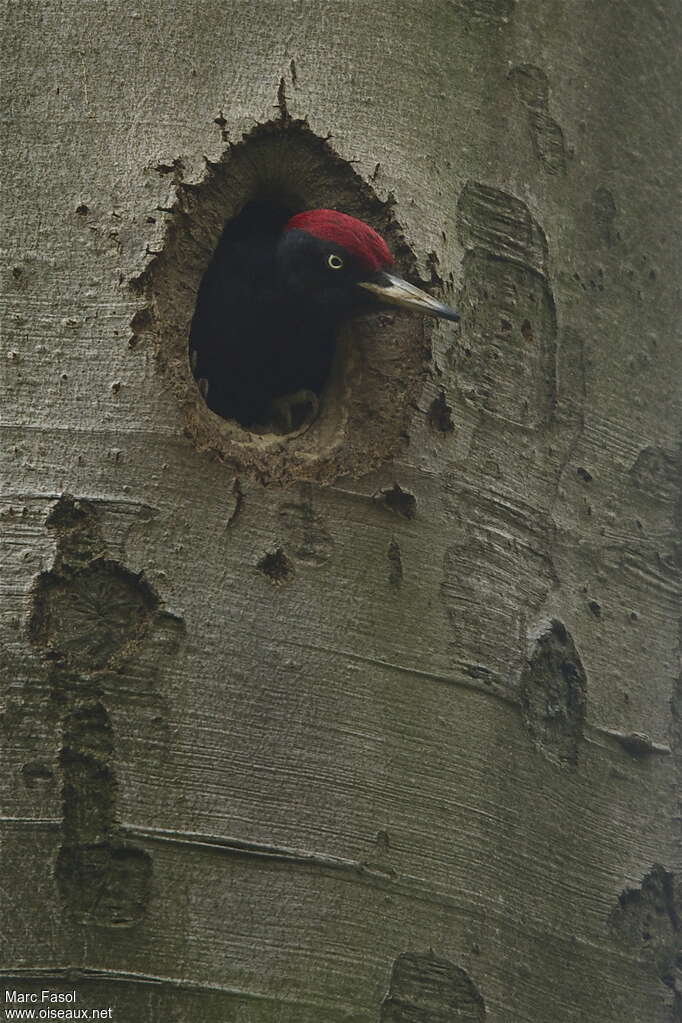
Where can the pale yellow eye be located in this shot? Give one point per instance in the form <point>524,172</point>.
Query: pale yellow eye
<point>334,262</point>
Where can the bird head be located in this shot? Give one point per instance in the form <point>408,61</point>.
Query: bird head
<point>340,264</point>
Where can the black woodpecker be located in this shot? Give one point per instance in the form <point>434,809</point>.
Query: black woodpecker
<point>270,303</point>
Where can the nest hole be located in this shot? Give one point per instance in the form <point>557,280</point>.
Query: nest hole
<point>350,398</point>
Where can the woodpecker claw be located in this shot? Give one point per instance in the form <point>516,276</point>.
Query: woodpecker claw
<point>294,412</point>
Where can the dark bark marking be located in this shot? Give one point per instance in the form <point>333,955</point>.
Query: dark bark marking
<point>532,88</point>
<point>282,101</point>
<point>604,211</point>
<point>92,616</point>
<point>552,694</point>
<point>100,628</point>
<point>142,322</point>
<point>548,141</point>
<point>88,778</point>
<point>532,85</point>
<point>176,168</point>
<point>395,564</point>
<point>383,842</point>
<point>426,989</point>
<point>647,919</point>
<point>637,744</point>
<point>34,772</point>
<point>77,524</point>
<point>88,608</point>
<point>439,415</point>
<point>103,880</point>
<point>399,501</point>
<point>527,331</point>
<point>108,884</point>
<point>276,566</point>
<point>310,541</point>
<point>238,495</point>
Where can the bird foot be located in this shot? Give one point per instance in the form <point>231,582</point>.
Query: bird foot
<point>294,412</point>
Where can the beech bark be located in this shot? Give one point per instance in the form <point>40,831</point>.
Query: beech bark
<point>396,745</point>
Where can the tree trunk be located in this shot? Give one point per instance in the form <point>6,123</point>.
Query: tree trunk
<point>371,722</point>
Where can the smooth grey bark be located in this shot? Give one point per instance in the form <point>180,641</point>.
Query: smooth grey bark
<point>398,747</point>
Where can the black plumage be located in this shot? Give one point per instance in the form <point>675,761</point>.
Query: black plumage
<point>261,331</point>
<point>269,306</point>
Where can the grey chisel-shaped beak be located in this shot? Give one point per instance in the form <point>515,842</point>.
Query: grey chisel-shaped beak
<point>394,290</point>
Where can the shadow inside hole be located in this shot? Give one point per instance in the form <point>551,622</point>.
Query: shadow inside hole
<point>261,354</point>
